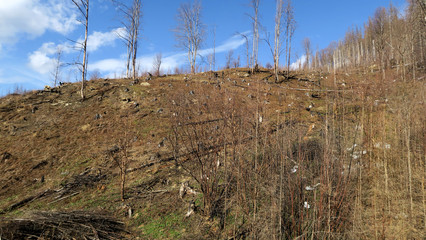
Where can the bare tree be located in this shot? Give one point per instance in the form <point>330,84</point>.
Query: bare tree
<point>214,50</point>
<point>379,30</point>
<point>56,72</point>
<point>290,27</point>
<point>83,7</point>
<point>277,36</point>
<point>236,62</point>
<point>276,50</point>
<point>131,21</point>
<point>229,59</point>
<point>308,52</point>
<point>120,155</point>
<point>247,48</point>
<point>190,31</point>
<point>255,21</point>
<point>156,65</point>
<point>211,58</point>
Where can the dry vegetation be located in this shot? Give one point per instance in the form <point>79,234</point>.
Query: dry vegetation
<point>283,160</point>
<point>328,153</point>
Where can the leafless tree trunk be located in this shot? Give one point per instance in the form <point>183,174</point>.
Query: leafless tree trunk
<point>247,48</point>
<point>214,49</point>
<point>131,22</point>
<point>236,62</point>
<point>229,59</point>
<point>190,31</point>
<point>120,155</point>
<point>276,49</point>
<point>83,7</point>
<point>290,27</point>
<point>137,16</point>
<point>277,39</point>
<point>307,48</point>
<point>156,65</point>
<point>58,64</point>
<point>255,20</point>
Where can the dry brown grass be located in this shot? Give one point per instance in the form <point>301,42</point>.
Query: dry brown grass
<point>52,135</point>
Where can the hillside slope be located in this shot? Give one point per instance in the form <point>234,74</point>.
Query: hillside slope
<point>57,152</point>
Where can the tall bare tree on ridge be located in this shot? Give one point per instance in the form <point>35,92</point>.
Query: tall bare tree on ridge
<point>190,30</point>
<point>132,15</point>
<point>83,7</point>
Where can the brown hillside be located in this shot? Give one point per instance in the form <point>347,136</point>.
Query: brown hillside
<point>55,150</point>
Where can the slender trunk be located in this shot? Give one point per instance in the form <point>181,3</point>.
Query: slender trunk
<point>410,190</point>
<point>255,34</point>
<point>84,68</point>
<point>385,162</point>
<point>128,62</point>
<point>247,53</point>
<point>123,182</point>
<point>289,58</point>
<point>334,68</point>
<point>129,54</point>
<point>214,49</point>
<point>413,58</point>
<point>277,44</point>
<point>135,50</point>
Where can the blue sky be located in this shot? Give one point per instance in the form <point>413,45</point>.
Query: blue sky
<point>32,30</point>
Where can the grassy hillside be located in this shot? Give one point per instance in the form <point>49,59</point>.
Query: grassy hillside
<point>317,155</point>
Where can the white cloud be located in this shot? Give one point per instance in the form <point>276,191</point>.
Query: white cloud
<point>100,39</point>
<point>40,61</point>
<point>299,63</point>
<point>108,66</point>
<point>34,18</point>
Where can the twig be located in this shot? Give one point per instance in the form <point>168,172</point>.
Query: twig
<point>62,198</point>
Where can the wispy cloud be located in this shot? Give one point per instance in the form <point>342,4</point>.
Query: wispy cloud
<point>34,18</point>
<point>110,67</point>
<point>232,43</point>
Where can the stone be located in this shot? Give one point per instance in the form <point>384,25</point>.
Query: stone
<point>6,156</point>
<point>113,149</point>
<point>191,208</point>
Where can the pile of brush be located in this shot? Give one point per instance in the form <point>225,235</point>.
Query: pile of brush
<point>63,225</point>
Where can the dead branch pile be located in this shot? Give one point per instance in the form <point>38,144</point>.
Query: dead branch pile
<point>70,188</point>
<point>63,225</point>
<point>85,179</point>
